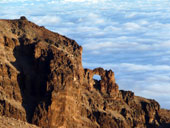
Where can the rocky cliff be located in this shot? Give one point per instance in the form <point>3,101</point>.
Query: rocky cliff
<point>42,81</point>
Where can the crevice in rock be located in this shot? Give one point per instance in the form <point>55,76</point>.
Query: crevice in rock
<point>33,76</point>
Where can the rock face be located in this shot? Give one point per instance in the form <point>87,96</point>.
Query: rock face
<point>42,81</point>
<point>6,122</point>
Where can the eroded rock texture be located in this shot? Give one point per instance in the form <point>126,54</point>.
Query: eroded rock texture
<point>42,81</point>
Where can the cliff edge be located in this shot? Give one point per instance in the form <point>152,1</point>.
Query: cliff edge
<point>42,82</point>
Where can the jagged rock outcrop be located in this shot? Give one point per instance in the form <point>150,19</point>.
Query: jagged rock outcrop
<point>42,81</point>
<point>106,86</point>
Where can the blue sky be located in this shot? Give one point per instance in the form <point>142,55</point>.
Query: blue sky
<point>130,37</point>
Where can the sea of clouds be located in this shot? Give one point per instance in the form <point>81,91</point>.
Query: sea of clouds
<point>130,37</point>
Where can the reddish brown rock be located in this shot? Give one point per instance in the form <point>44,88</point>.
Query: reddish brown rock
<point>106,85</point>
<point>6,122</point>
<point>42,81</point>
<point>164,118</point>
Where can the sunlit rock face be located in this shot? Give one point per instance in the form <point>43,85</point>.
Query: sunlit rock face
<point>106,85</point>
<point>42,81</point>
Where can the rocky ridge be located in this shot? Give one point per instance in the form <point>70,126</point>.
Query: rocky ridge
<point>42,81</point>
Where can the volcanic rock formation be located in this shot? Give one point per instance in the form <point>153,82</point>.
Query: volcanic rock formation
<point>42,81</point>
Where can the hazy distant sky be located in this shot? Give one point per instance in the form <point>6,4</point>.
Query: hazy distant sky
<point>132,37</point>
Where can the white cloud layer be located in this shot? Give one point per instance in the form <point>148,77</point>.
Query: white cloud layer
<point>14,1</point>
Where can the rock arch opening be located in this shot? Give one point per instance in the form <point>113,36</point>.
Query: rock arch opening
<point>97,79</point>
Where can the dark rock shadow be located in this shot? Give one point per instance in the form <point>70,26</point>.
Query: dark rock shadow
<point>97,79</point>
<point>97,84</point>
<point>33,76</point>
<point>165,125</point>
